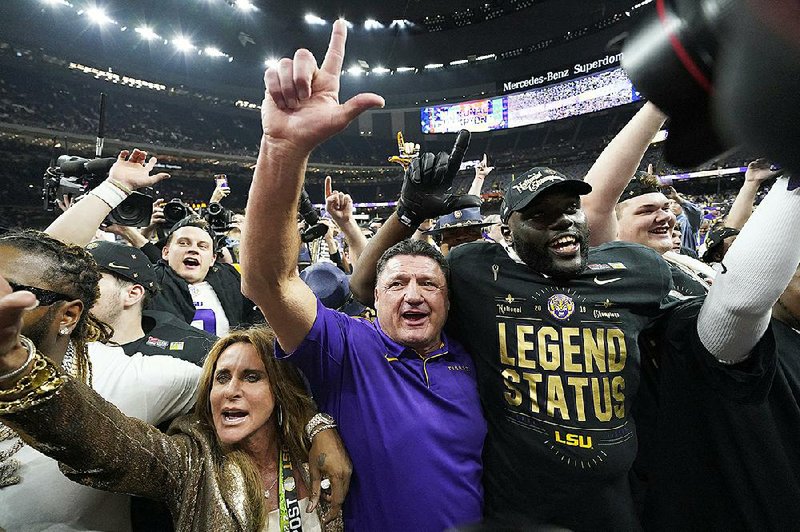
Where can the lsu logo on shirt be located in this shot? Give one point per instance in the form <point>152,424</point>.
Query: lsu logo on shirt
<point>560,306</point>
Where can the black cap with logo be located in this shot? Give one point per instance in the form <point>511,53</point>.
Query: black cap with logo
<point>535,181</point>
<point>124,261</point>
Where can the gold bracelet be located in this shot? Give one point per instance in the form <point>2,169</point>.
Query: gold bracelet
<point>31,348</point>
<point>120,186</point>
<point>36,387</point>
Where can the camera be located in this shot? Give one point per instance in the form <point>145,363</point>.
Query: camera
<point>74,176</point>
<point>309,214</point>
<point>218,217</point>
<point>725,72</point>
<point>175,210</point>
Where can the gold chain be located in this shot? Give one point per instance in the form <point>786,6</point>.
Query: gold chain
<point>34,388</point>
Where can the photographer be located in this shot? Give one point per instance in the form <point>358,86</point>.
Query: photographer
<point>194,286</point>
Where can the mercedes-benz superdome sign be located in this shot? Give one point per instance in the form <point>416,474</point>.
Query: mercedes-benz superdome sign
<point>600,84</point>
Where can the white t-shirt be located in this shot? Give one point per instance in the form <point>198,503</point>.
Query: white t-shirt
<point>151,388</point>
<point>209,315</point>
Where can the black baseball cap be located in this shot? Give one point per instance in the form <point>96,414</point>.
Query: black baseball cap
<point>535,181</point>
<point>124,261</point>
<point>642,183</point>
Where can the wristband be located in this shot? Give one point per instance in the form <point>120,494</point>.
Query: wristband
<point>318,423</point>
<point>110,195</point>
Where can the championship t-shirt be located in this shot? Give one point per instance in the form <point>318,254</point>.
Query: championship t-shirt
<point>558,368</point>
<point>209,314</point>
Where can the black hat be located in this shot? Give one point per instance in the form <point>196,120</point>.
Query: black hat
<point>532,183</point>
<point>124,261</point>
<point>715,239</point>
<point>641,183</point>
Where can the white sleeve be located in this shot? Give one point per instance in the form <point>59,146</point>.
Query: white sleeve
<point>759,265</point>
<point>166,385</point>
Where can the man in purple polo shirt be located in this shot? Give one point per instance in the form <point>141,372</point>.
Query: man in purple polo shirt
<point>404,394</point>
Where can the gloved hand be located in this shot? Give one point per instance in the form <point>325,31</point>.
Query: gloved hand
<point>427,183</point>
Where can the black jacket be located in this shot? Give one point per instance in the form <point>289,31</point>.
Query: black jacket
<point>226,281</point>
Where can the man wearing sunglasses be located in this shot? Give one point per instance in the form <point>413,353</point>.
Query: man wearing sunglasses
<point>157,388</point>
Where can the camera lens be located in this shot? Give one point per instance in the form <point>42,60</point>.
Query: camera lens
<point>175,211</point>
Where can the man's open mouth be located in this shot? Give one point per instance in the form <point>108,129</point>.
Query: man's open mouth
<point>567,245</point>
<point>191,262</point>
<point>414,317</point>
<point>661,231</point>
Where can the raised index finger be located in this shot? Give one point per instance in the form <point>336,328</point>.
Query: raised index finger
<point>328,186</point>
<point>459,149</point>
<point>334,57</point>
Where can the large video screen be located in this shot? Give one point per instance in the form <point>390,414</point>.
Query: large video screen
<point>477,115</point>
<point>595,92</point>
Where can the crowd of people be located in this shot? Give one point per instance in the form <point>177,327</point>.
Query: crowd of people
<point>601,352</point>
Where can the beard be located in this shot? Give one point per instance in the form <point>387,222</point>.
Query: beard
<point>39,330</point>
<point>542,261</point>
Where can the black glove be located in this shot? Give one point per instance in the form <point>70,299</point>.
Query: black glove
<point>427,183</point>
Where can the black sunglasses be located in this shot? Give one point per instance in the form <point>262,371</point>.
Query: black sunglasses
<point>45,297</point>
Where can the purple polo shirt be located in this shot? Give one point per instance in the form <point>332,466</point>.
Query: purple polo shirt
<point>413,427</point>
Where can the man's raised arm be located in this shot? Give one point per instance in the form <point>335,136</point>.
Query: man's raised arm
<point>612,171</point>
<point>79,223</point>
<point>300,110</point>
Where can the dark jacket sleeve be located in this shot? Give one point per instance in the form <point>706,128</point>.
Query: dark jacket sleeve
<point>152,252</point>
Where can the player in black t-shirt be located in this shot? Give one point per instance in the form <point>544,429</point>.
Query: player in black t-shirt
<point>554,338</point>
<point>554,333</point>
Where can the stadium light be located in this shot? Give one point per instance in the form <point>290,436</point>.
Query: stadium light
<point>347,23</point>
<point>433,66</point>
<point>271,62</point>
<point>458,62</point>
<point>55,3</point>
<point>484,57</point>
<point>355,70</point>
<point>245,5</point>
<point>314,20</point>
<point>183,44</point>
<point>147,33</point>
<point>400,23</point>
<point>380,70</point>
<point>97,15</point>
<point>213,52</point>
<point>405,69</point>
<point>372,24</point>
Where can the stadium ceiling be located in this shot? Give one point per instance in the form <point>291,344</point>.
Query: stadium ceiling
<point>223,38</point>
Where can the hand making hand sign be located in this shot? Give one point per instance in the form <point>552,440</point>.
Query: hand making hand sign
<point>301,105</point>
